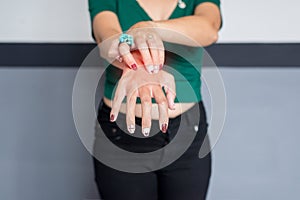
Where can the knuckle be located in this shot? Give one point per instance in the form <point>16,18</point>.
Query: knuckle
<point>130,114</point>
<point>123,47</point>
<point>139,34</point>
<point>146,101</point>
<point>152,43</point>
<point>160,99</point>
<point>163,102</point>
<point>139,40</point>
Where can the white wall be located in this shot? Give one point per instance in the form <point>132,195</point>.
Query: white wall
<point>44,21</point>
<point>68,21</point>
<point>260,21</point>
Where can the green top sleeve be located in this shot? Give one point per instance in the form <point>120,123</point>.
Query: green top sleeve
<point>97,6</point>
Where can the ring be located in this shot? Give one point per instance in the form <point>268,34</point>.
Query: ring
<point>119,58</point>
<point>149,36</point>
<point>125,38</point>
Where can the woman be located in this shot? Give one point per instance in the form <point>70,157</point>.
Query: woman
<point>149,27</point>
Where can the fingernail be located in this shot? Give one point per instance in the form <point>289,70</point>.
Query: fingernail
<point>150,68</point>
<point>134,67</point>
<point>173,107</point>
<point>156,68</point>
<point>112,117</point>
<point>146,132</point>
<point>164,128</point>
<point>161,66</point>
<point>131,129</point>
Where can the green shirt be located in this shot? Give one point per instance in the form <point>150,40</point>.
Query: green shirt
<point>186,61</point>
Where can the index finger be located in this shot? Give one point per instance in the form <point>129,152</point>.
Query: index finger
<point>117,101</point>
<point>124,51</point>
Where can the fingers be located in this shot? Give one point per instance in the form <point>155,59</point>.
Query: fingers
<point>113,51</point>
<point>145,95</point>
<point>152,50</point>
<point>161,54</point>
<point>150,47</point>
<point>170,97</point>
<point>117,101</point>
<point>130,113</point>
<point>142,46</point>
<point>152,44</point>
<point>124,51</point>
<point>168,83</point>
<point>162,103</point>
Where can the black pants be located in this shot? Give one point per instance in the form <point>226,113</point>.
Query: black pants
<point>186,178</point>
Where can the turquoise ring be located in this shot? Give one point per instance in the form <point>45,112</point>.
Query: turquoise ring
<point>125,38</point>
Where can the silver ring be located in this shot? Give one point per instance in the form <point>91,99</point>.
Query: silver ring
<point>149,36</point>
<point>119,58</point>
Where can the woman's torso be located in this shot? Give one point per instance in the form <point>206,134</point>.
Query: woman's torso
<point>187,64</point>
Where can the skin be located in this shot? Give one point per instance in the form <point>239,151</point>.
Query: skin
<point>149,37</point>
<point>139,83</point>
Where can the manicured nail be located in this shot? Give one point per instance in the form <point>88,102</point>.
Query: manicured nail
<point>173,106</point>
<point>146,132</point>
<point>164,128</point>
<point>150,68</point>
<point>112,117</point>
<point>131,129</point>
<point>156,68</point>
<point>134,67</point>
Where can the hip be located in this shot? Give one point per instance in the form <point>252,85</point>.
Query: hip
<point>190,125</point>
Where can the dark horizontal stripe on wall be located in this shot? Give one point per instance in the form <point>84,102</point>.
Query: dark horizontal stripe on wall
<point>226,54</point>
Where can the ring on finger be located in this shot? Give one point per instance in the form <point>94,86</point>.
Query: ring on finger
<point>126,38</point>
<point>149,36</point>
<point>119,58</point>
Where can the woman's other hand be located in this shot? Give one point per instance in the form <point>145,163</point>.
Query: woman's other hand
<point>145,39</point>
<point>140,83</point>
<point>149,44</point>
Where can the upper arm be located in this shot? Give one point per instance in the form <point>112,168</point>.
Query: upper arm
<point>105,24</point>
<point>211,11</point>
<point>97,6</point>
<point>103,17</point>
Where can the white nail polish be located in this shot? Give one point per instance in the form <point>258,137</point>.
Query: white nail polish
<point>131,129</point>
<point>150,68</point>
<point>156,68</point>
<point>146,132</point>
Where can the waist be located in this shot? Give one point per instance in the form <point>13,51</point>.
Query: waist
<point>180,108</point>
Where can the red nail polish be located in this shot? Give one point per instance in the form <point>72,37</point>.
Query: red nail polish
<point>112,117</point>
<point>164,128</point>
<point>134,67</point>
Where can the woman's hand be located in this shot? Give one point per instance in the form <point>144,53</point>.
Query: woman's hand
<point>149,44</point>
<point>141,84</point>
<point>146,41</point>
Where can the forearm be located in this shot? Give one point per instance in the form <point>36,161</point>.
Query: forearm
<point>106,25</point>
<point>182,30</point>
<point>190,30</point>
<point>200,29</point>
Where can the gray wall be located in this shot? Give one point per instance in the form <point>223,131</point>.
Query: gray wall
<point>68,21</point>
<point>41,156</point>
